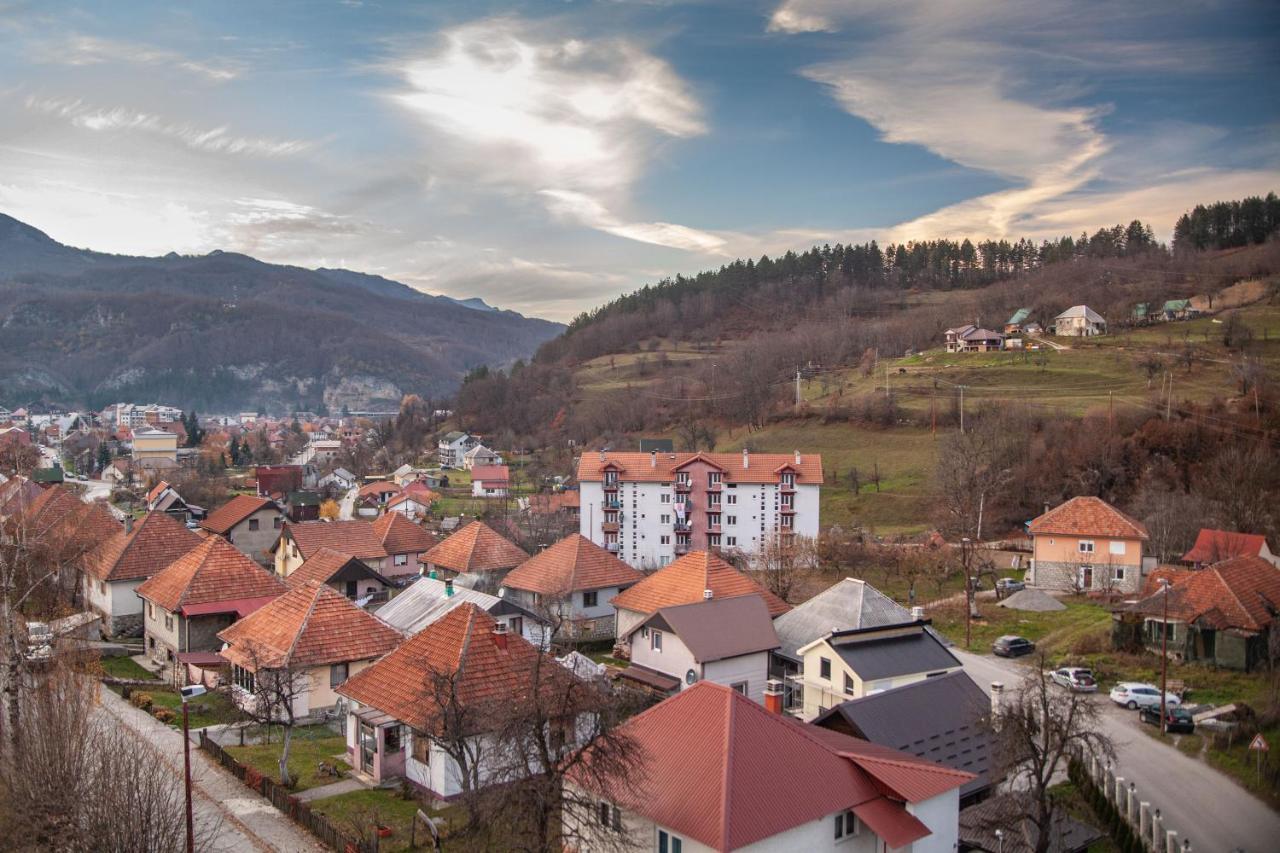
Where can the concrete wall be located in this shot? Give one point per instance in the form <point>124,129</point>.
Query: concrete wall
<point>753,669</point>
<point>254,543</point>
<point>674,659</point>
<point>118,603</point>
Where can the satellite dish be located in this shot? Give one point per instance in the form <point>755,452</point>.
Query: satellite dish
<point>690,677</point>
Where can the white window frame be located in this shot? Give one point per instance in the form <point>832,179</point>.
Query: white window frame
<point>1085,546</point>
<point>1116,547</point>
<point>655,640</point>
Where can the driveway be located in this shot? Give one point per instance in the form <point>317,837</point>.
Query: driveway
<point>1197,801</point>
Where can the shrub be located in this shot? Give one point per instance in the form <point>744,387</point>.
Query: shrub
<point>141,700</point>
<point>164,715</point>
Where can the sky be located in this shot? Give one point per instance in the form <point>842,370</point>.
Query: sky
<point>547,156</point>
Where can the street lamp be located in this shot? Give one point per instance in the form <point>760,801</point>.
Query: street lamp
<point>1164,653</point>
<point>999,841</point>
<point>189,692</point>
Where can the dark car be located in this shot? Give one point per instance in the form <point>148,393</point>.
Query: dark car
<point>1177,720</point>
<point>1010,646</point>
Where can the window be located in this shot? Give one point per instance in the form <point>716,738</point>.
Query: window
<point>610,816</point>
<point>788,479</point>
<point>664,519</point>
<point>713,499</point>
<point>665,498</point>
<point>242,678</point>
<point>713,540</point>
<point>421,749</point>
<point>739,686</point>
<point>731,541</point>
<point>664,540</point>
<point>655,640</point>
<point>253,524</point>
<point>731,498</point>
<point>713,478</point>
<point>668,843</point>
<point>848,684</point>
<point>847,825</point>
<point>731,519</point>
<point>168,622</point>
<point>590,599</point>
<point>1085,546</point>
<point>337,674</point>
<point>392,739</point>
<point>278,522</point>
<point>824,668</point>
<point>151,610</point>
<point>400,560</point>
<point>1117,574</point>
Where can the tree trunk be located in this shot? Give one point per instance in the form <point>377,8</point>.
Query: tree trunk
<point>284,755</point>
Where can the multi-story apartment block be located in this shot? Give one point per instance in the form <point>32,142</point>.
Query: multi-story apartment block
<point>649,508</point>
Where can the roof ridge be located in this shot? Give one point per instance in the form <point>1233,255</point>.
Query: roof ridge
<point>200,564</point>
<point>302,628</point>
<point>1223,581</point>
<point>465,646</point>
<point>730,726</point>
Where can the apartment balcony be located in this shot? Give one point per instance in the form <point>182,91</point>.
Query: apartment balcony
<point>788,510</point>
<point>683,488</point>
<point>612,503</point>
<point>713,528</point>
<point>609,526</point>
<point>714,487</point>
<point>612,547</point>
<point>788,488</point>
<point>682,549</point>
<point>611,486</point>
<point>683,527</point>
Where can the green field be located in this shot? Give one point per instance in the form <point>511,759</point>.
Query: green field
<point>126,667</point>
<point>310,746</point>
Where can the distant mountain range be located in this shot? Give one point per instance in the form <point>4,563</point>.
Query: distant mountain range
<point>224,331</point>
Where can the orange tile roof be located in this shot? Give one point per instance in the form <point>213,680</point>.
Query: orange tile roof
<point>378,488</point>
<point>662,467</point>
<point>399,535</point>
<point>155,542</point>
<point>81,530</point>
<point>1241,593</point>
<point>1215,545</point>
<point>213,571</point>
<point>426,497</point>
<point>1089,516</point>
<point>683,582</point>
<point>461,646</point>
<point>156,490</point>
<point>357,538</point>
<point>476,548</point>
<point>310,625</point>
<point>320,567</point>
<point>490,474</point>
<point>555,502</point>
<point>234,511</point>
<point>574,563</point>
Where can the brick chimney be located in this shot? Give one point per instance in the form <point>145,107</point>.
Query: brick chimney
<point>500,635</point>
<point>773,696</point>
<point>746,458</point>
<point>653,459</point>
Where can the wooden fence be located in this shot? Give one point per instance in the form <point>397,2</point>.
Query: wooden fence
<point>297,810</point>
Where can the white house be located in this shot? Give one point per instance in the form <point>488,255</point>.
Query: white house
<point>339,478</point>
<point>1079,321</point>
<point>453,446</point>
<point>490,481</point>
<point>480,455</point>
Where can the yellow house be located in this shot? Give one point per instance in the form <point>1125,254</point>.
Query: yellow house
<point>1087,545</point>
<point>151,443</point>
<point>857,662</point>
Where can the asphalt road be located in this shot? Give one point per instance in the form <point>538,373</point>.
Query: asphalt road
<point>1201,804</point>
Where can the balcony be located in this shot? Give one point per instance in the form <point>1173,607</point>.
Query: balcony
<point>682,549</point>
<point>612,503</point>
<point>683,527</point>
<point>683,487</point>
<point>611,486</point>
<point>714,487</point>
<point>612,547</point>
<point>713,528</point>
<point>609,526</point>
<point>788,510</point>
<point>788,488</point>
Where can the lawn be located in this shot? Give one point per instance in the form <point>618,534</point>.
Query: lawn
<point>126,667</point>
<point>211,709</point>
<point>1083,627</point>
<point>311,745</point>
<point>356,812</point>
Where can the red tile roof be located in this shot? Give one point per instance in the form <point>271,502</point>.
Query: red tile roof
<point>320,567</point>
<point>378,488</point>
<point>156,490</point>
<point>357,538</point>
<point>476,548</point>
<point>155,542</point>
<point>1241,593</point>
<point>1215,545</point>
<point>234,511</point>
<point>683,582</point>
<point>424,496</point>
<point>1089,516</point>
<point>213,571</point>
<point>555,502</point>
<point>310,625</point>
<point>459,646</point>
<point>490,474</point>
<point>661,468</point>
<point>574,563</point>
<point>723,771</point>
<point>399,535</point>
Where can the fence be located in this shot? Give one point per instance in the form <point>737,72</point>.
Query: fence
<point>279,796</point>
<point>1132,822</point>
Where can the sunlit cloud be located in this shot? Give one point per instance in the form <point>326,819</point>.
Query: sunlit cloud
<point>90,50</point>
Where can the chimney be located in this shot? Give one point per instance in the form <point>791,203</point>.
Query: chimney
<point>653,459</point>
<point>601,455</point>
<point>997,698</point>
<point>706,595</point>
<point>432,574</point>
<point>917,614</point>
<point>500,635</point>
<point>773,696</point>
<point>746,458</point>
<point>128,524</point>
<point>448,588</point>
<point>797,457</point>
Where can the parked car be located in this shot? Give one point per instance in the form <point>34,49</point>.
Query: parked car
<point>1075,678</point>
<point>1010,646</point>
<point>1008,586</point>
<point>1133,694</point>
<point>1177,720</point>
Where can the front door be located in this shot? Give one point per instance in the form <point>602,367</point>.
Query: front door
<point>368,747</point>
<point>1086,577</point>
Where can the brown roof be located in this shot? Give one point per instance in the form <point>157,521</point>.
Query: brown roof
<point>459,645</point>
<point>399,535</point>
<point>720,628</point>
<point>378,488</point>
<point>357,538</point>
<point>310,625</point>
<point>1215,545</point>
<point>1241,593</point>
<point>554,502</point>
<point>234,511</point>
<point>476,548</point>
<point>490,474</point>
<point>684,581</point>
<point>1088,516</point>
<point>155,542</point>
<point>645,467</point>
<point>213,571</point>
<point>574,563</point>
<point>321,566</point>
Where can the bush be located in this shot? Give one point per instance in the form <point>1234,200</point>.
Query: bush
<point>164,715</point>
<point>141,700</point>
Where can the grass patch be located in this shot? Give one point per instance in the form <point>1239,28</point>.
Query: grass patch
<point>308,749</point>
<point>1240,764</point>
<point>126,667</point>
<point>212,709</point>
<point>356,813</point>
<point>1083,625</point>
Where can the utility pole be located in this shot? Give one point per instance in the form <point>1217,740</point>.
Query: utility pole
<point>968,593</point>
<point>1111,412</point>
<point>1168,401</point>
<point>962,409</point>
<point>797,390</point>
<point>1164,656</point>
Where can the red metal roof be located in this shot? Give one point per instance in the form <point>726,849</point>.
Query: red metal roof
<point>1213,546</point>
<point>897,826</point>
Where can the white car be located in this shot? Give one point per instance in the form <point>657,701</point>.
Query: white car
<point>1134,694</point>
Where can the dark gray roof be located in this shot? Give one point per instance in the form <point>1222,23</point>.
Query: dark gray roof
<point>874,657</point>
<point>943,719</point>
<point>1009,812</point>
<point>851,603</point>
<point>720,628</point>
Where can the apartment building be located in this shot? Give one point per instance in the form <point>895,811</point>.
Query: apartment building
<point>649,508</point>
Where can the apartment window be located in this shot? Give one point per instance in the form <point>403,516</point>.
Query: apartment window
<point>664,540</point>
<point>683,478</point>
<point>848,684</point>
<point>824,668</point>
<point>278,523</point>
<point>847,825</point>
<point>655,640</point>
<point>713,478</point>
<point>731,540</point>
<point>168,622</point>
<point>665,497</point>
<point>739,686</point>
<point>589,599</point>
<point>1085,546</point>
<point>337,674</point>
<point>731,519</point>
<point>1116,548</point>
<point>668,843</point>
<point>664,519</point>
<point>400,560</point>
<point>731,498</point>
<point>714,540</point>
<point>713,499</point>
<point>788,479</point>
<point>253,524</point>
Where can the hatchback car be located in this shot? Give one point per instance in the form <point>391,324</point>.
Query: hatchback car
<point>1010,646</point>
<point>1008,586</point>
<point>1075,678</point>
<point>1177,720</point>
<point>1132,694</point>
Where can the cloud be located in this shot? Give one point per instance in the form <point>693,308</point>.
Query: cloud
<point>217,140</point>
<point>90,50</point>
<point>588,211</point>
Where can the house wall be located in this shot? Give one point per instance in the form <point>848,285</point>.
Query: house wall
<point>288,557</point>
<point>674,659</point>
<point>119,605</point>
<point>821,694</point>
<point>254,543</point>
<point>753,669</point>
<point>628,621</point>
<point>166,640</point>
<point>1056,562</point>
<point>942,815</point>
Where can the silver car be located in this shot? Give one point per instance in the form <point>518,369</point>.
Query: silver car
<point>1135,694</point>
<point>1075,678</point>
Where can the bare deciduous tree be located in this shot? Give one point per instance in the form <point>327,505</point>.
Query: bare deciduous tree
<point>272,692</point>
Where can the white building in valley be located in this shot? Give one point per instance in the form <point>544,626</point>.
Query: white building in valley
<point>649,508</point>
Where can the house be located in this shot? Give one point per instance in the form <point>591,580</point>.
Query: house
<point>478,555</point>
<point>395,722</point>
<point>1141,314</point>
<point>725,640</point>
<point>412,502</point>
<point>577,579</point>
<point>391,545</point>
<point>372,497</point>
<point>721,772</point>
<point>678,503</point>
<point>118,472</point>
<point>165,498</point>
<point>428,599</point>
<point>568,502</point>
<point>971,338</point>
<point>1079,321</point>
<point>344,573</point>
<point>196,596</point>
<point>150,443</point>
<point>857,662</point>
<point>1087,545</point>
<point>912,719</point>
<point>251,524</point>
<point>302,506</point>
<point>1179,309</point>
<point>453,446</point>
<point>1003,824</point>
<point>490,481</point>
<point>1013,325</point>
<point>339,478</point>
<point>686,581</point>
<point>115,569</point>
<point>1214,546</point>
<point>312,638</point>
<point>480,456</point>
<point>848,604</point>
<point>14,436</point>
<point>277,479</point>
<point>1222,615</point>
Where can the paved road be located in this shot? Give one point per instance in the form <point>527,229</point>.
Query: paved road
<point>347,509</point>
<point>1200,803</point>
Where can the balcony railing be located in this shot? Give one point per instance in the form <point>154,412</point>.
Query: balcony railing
<point>788,510</point>
<point>612,547</point>
<point>788,488</point>
<point>609,526</point>
<point>683,527</point>
<point>611,486</point>
<point>682,549</point>
<point>612,503</point>
<point>714,487</point>
<point>713,527</point>
<point>683,487</point>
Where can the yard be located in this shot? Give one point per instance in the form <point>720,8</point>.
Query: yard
<point>212,709</point>
<point>311,745</point>
<point>358,811</point>
<point>1083,628</point>
<point>125,667</point>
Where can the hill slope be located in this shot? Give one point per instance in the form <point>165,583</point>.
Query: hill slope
<point>225,331</point>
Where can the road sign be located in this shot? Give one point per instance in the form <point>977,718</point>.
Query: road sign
<point>1259,743</point>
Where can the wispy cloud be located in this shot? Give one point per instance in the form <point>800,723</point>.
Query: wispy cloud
<point>91,50</point>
